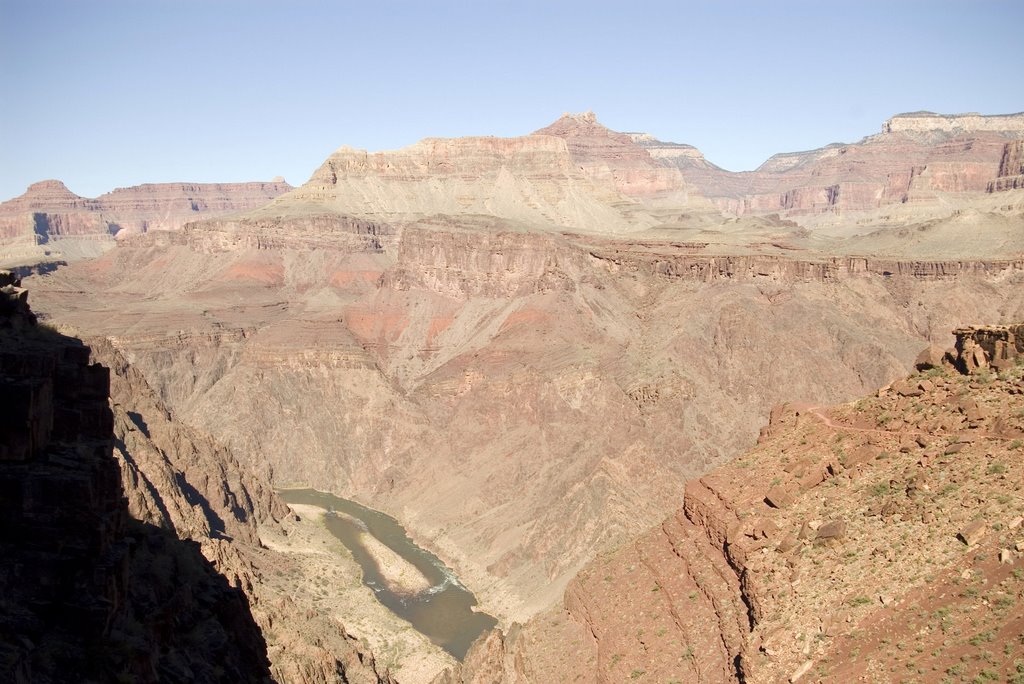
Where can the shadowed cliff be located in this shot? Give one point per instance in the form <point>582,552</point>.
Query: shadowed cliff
<point>87,593</point>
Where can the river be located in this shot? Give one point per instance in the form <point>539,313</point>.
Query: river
<point>444,612</point>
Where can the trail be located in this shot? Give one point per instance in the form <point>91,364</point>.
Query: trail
<point>819,413</point>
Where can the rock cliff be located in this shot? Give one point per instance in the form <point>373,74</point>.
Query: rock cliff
<point>917,158</point>
<point>919,122</point>
<point>87,592</point>
<point>49,212</point>
<point>1011,168</point>
<point>157,566</point>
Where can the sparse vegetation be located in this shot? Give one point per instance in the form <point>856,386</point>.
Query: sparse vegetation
<point>880,489</point>
<point>981,638</point>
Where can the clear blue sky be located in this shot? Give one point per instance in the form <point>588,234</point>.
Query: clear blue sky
<point>107,93</point>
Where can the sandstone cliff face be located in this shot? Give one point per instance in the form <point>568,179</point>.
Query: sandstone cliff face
<point>845,533</point>
<point>1011,168</point>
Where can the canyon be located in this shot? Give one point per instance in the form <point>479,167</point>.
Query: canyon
<point>548,356</point>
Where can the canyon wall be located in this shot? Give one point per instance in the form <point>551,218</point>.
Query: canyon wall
<point>917,158</point>
<point>863,541</point>
<point>87,591</point>
<point>593,354</point>
<point>33,223</point>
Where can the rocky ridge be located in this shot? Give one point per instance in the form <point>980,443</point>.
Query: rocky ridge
<point>879,539</point>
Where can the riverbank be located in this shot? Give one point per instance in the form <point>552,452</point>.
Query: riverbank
<point>441,608</point>
<point>329,581</point>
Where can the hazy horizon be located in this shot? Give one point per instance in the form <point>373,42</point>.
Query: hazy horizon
<point>115,93</point>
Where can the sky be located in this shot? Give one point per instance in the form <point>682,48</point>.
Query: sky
<point>113,93</point>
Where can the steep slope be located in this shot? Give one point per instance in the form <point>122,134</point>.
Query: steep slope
<point>86,593</point>
<point>182,481</point>
<point>173,584</point>
<point>877,539</point>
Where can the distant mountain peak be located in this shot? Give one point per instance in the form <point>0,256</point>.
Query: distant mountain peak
<point>570,125</point>
<point>587,117</point>
<point>49,187</point>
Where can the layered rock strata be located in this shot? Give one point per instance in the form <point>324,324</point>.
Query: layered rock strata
<point>1011,168</point>
<point>915,159</point>
<point>981,348</point>
<point>48,212</point>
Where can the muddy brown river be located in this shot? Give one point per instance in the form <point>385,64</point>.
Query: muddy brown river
<point>444,612</point>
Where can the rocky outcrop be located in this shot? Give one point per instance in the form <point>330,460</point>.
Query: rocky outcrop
<point>981,348</point>
<point>918,122</point>
<point>915,159</point>
<point>604,154</point>
<point>683,264</point>
<point>1011,168</point>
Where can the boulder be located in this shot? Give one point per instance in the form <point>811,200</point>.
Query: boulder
<point>834,529</point>
<point>779,497</point>
<point>860,455</point>
<point>972,532</point>
<point>929,358</point>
